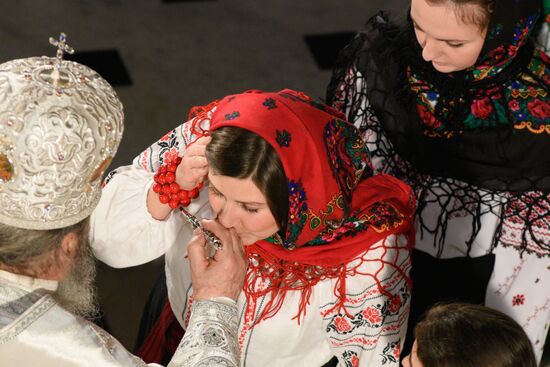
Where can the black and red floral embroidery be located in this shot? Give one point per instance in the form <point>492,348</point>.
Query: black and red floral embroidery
<point>372,316</point>
<point>391,352</point>
<point>270,103</point>
<point>283,138</point>
<point>232,116</point>
<point>297,214</point>
<point>347,156</point>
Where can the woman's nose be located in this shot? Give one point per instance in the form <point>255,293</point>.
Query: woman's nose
<point>227,216</point>
<point>407,361</point>
<point>430,50</point>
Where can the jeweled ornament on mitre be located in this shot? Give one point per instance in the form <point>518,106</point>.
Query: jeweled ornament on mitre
<point>60,125</point>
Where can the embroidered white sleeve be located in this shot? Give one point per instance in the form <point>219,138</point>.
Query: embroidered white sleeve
<point>122,232</point>
<point>211,337</point>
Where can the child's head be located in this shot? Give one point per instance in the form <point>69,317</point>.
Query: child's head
<point>460,335</point>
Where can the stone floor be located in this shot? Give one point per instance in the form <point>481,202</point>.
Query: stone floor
<point>165,56</point>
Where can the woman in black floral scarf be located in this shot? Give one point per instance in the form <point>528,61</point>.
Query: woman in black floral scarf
<point>455,101</point>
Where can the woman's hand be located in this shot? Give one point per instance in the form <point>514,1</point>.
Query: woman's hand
<point>192,170</point>
<point>223,275</point>
<point>193,167</point>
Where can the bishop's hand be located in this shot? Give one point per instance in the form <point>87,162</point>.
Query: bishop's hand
<point>220,276</point>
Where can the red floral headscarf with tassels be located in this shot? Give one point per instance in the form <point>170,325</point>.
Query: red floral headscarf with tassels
<point>337,209</point>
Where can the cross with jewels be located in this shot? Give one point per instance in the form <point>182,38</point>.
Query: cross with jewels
<point>62,47</point>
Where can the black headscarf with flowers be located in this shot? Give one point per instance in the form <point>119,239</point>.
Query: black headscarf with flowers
<point>488,125</point>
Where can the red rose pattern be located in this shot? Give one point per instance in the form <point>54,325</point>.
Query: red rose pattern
<point>395,304</point>
<point>518,300</point>
<point>514,105</point>
<point>539,109</point>
<point>342,325</point>
<point>355,361</point>
<point>428,117</point>
<point>170,155</point>
<point>372,315</point>
<point>482,108</point>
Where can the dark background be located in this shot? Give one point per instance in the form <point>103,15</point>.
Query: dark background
<point>163,57</point>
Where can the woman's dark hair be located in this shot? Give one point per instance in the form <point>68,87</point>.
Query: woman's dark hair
<point>465,335</point>
<point>467,15</point>
<point>240,153</point>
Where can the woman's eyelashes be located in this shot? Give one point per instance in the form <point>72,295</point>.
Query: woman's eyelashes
<point>455,45</point>
<point>248,209</point>
<point>214,191</point>
<point>449,43</point>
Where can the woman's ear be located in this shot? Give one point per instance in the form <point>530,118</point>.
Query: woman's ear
<point>491,7</point>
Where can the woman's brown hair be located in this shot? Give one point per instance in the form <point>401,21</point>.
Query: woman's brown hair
<point>480,16</point>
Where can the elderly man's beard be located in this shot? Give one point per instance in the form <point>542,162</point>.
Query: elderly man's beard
<point>77,293</point>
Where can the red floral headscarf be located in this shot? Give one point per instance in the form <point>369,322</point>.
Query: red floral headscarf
<point>337,208</point>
